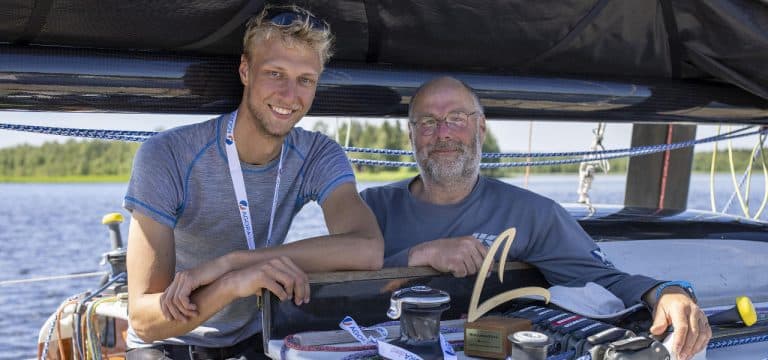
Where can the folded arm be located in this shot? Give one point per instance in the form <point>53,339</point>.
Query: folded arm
<point>151,262</point>
<point>354,241</point>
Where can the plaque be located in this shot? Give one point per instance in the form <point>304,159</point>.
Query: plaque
<point>487,336</point>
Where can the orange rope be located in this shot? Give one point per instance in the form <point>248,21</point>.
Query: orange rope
<point>665,169</point>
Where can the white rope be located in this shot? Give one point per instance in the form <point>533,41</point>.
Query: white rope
<point>746,178</point>
<point>55,277</point>
<point>712,168</point>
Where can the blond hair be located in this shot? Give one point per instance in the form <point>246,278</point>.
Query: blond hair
<point>303,30</point>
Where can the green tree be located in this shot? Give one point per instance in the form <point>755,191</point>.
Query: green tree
<point>72,158</point>
<point>490,145</point>
<point>322,127</point>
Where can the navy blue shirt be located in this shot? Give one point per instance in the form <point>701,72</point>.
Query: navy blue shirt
<point>547,236</point>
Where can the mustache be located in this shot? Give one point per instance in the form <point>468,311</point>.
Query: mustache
<point>447,145</point>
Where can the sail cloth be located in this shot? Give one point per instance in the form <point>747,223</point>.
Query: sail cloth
<point>721,40</point>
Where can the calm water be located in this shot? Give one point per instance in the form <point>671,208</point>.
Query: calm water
<point>56,229</point>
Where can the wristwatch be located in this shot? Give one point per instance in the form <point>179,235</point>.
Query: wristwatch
<point>688,287</point>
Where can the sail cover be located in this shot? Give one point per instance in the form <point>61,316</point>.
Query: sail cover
<point>725,41</point>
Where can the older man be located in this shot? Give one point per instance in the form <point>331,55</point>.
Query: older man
<point>442,217</point>
<point>210,212</point>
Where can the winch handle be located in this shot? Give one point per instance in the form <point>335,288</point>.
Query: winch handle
<point>113,221</point>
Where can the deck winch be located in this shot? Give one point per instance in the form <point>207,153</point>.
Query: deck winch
<point>419,309</point>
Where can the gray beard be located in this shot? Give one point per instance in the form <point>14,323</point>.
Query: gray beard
<point>460,171</point>
<point>449,173</point>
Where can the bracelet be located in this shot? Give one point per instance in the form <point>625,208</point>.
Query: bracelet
<point>688,287</point>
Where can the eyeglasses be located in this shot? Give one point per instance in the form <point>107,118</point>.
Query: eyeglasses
<point>289,17</point>
<point>456,120</point>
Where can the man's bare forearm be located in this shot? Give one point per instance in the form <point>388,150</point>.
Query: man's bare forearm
<point>150,324</point>
<point>322,253</point>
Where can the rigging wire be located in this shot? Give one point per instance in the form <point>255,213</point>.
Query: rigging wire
<point>140,136</point>
<point>528,158</point>
<point>54,277</point>
<point>601,155</point>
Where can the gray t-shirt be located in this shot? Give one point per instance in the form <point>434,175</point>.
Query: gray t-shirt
<point>181,179</point>
<point>547,236</point>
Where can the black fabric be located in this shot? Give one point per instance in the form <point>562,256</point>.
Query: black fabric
<point>675,47</point>
<point>690,39</point>
<point>374,31</point>
<point>35,22</point>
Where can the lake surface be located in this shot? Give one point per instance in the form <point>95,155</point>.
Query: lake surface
<point>55,229</point>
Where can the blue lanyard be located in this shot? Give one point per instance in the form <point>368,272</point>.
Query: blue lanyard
<point>238,183</point>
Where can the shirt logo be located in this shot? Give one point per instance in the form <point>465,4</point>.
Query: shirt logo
<point>602,257</point>
<point>486,239</point>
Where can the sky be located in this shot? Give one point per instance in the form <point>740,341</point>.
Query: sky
<point>512,136</point>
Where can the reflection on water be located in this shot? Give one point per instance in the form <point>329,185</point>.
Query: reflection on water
<point>55,229</point>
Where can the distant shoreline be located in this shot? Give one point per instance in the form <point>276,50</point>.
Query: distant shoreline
<point>63,179</point>
<point>384,176</point>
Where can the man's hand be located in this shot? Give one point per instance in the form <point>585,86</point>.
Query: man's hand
<point>279,275</point>
<point>175,302</point>
<point>692,331</point>
<point>460,256</point>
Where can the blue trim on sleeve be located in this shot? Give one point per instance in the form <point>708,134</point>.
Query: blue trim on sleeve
<point>300,174</point>
<point>183,205</point>
<point>171,221</point>
<point>333,185</point>
<point>294,148</point>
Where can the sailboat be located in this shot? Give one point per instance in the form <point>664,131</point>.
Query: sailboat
<point>663,66</point>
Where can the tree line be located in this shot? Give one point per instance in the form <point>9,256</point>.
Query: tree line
<point>93,158</point>
<point>71,158</point>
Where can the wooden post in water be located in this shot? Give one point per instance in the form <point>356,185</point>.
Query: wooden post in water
<point>660,180</point>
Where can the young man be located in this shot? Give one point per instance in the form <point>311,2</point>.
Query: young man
<point>212,202</point>
<point>436,218</point>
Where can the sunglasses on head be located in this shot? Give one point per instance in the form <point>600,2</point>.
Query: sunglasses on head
<point>287,18</point>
